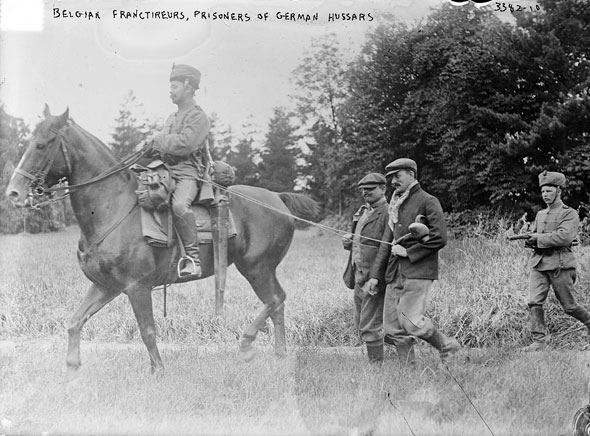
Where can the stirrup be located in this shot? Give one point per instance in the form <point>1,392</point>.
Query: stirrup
<point>195,263</point>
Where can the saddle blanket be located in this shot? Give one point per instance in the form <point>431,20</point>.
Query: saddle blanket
<point>156,226</point>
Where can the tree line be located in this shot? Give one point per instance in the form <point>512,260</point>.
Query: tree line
<point>480,104</point>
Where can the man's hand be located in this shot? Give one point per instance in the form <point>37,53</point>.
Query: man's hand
<point>347,241</point>
<point>371,286</point>
<point>399,251</point>
<point>532,241</point>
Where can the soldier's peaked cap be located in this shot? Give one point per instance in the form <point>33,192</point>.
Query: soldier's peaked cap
<point>400,164</point>
<point>371,180</point>
<point>182,73</point>
<point>551,178</point>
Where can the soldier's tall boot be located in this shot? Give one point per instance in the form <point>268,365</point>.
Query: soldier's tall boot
<point>190,264</point>
<point>581,315</point>
<point>445,345</point>
<point>538,330</point>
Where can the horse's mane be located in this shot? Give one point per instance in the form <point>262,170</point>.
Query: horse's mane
<point>89,137</point>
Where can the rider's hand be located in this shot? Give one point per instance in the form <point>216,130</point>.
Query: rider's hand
<point>148,146</point>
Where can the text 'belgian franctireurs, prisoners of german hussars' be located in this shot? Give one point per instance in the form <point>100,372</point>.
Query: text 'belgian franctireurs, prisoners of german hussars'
<point>139,14</point>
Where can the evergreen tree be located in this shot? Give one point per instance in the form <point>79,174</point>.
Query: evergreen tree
<point>278,168</point>
<point>129,132</point>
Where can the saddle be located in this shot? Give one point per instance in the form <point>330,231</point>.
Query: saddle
<point>154,192</point>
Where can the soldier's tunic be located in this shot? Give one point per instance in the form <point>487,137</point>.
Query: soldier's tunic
<point>182,144</point>
<point>553,262</point>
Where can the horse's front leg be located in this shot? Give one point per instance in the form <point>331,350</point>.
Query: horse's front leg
<point>141,301</point>
<point>96,298</point>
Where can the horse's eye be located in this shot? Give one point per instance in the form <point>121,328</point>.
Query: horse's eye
<point>41,145</point>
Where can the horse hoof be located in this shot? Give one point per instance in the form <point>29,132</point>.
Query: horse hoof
<point>72,376</point>
<point>248,355</point>
<point>282,354</point>
<point>158,373</point>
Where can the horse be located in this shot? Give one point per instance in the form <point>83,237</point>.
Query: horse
<point>113,252</point>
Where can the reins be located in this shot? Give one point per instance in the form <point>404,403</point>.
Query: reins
<point>321,226</point>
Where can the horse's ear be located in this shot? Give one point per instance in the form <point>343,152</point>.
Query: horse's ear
<point>46,111</point>
<point>63,118</point>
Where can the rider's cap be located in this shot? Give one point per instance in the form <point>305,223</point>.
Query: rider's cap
<point>182,73</point>
<point>371,180</point>
<point>551,178</point>
<point>400,164</point>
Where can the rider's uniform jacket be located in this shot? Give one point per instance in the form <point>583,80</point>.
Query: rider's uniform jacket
<point>183,141</point>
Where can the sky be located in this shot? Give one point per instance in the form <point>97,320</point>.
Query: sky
<point>86,64</point>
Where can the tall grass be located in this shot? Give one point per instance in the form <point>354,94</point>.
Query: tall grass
<point>481,295</point>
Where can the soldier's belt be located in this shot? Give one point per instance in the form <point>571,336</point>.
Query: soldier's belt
<point>551,250</point>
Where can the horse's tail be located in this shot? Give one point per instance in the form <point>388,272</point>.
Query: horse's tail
<point>300,205</point>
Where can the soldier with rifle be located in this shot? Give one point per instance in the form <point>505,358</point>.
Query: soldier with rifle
<point>552,262</point>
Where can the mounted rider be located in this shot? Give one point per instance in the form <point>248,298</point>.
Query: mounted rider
<point>182,146</point>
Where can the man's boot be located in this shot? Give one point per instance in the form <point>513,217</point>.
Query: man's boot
<point>375,351</point>
<point>445,345</point>
<point>581,315</point>
<point>190,265</point>
<point>538,330</point>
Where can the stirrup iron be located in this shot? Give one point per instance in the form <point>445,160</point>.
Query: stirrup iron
<point>196,267</point>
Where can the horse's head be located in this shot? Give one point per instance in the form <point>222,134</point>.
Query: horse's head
<point>44,162</point>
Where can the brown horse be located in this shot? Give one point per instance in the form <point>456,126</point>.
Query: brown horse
<point>112,251</point>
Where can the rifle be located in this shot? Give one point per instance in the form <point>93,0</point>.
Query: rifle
<point>527,236</point>
<point>521,236</point>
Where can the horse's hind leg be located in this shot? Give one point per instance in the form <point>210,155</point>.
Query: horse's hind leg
<point>141,301</point>
<point>278,320</point>
<point>96,298</point>
<point>270,292</point>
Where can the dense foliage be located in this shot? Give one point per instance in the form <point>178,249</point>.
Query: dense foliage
<point>483,106</point>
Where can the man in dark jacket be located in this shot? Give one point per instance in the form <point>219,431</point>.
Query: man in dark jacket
<point>368,225</point>
<point>412,266</point>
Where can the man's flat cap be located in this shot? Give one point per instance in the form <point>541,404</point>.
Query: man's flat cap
<point>400,164</point>
<point>371,180</point>
<point>182,73</point>
<point>551,178</point>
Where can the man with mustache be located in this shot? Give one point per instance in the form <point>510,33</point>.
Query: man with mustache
<point>182,145</point>
<point>410,267</point>
<point>552,262</point>
<point>369,222</point>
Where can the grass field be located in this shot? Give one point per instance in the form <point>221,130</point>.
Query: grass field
<point>207,389</point>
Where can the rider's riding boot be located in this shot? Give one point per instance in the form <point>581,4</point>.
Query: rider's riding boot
<point>190,265</point>
<point>538,330</point>
<point>444,344</point>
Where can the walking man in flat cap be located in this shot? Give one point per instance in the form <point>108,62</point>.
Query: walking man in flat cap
<point>552,262</point>
<point>368,225</point>
<point>412,266</point>
<point>182,145</point>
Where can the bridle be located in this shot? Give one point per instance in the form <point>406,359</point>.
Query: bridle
<point>37,177</point>
<point>37,186</point>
